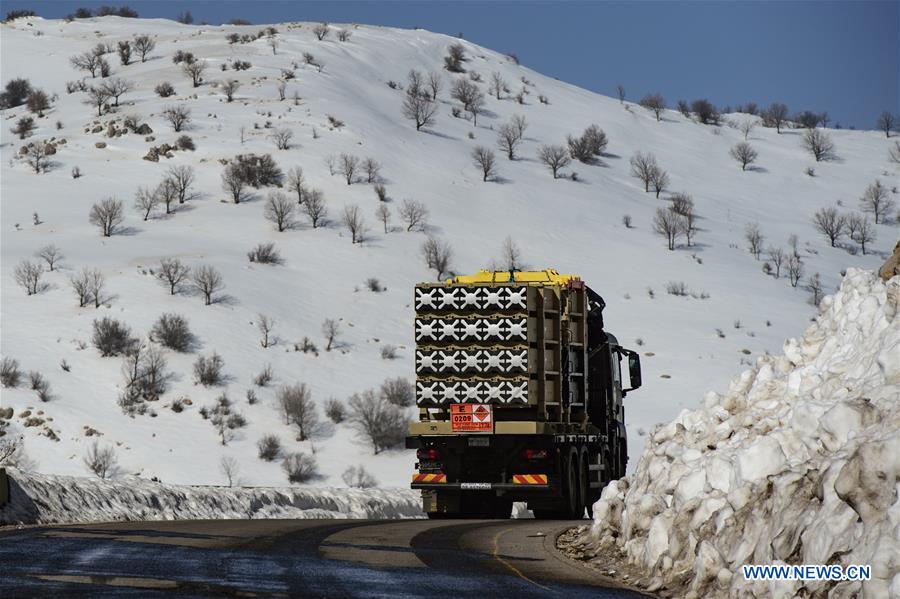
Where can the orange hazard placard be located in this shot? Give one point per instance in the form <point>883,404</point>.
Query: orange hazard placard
<point>471,418</point>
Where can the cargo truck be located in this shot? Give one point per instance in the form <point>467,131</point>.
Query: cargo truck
<point>519,390</point>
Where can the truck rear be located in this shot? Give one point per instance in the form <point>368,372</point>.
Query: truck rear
<point>519,390</point>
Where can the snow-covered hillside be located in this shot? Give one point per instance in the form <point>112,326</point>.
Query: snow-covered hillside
<point>689,344</point>
<point>798,463</point>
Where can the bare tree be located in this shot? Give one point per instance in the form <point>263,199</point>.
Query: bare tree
<point>97,96</point>
<point>265,324</point>
<point>497,85</point>
<point>347,166</point>
<point>81,285</point>
<point>814,285</point>
<point>282,90</point>
<point>233,182</point>
<point>230,469</point>
<point>486,161</point>
<point>28,275</point>
<point>666,223</point>
<point>512,255</point>
<point>414,214</point>
<point>230,87</point>
<point>794,243</point>
<point>145,201</point>
<point>683,206</point>
<point>144,44</point>
<point>819,144</point>
<point>384,424</point>
<point>435,83</point>
<point>101,461</point>
<point>777,258</point>
<point>298,408</point>
<point>282,138</point>
<point>87,61</point>
<point>795,269</point>
<point>279,211</point>
<point>469,95</point>
<point>296,182</point>
<point>314,206</point>
<point>555,157</point>
<point>383,213</point>
<point>37,157</point>
<point>194,70</point>
<point>372,169</point>
<point>182,177</point>
<point>51,255</point>
<point>746,126</point>
<point>510,135</point>
<point>330,330</point>
<point>331,163</point>
<point>861,230</point>
<point>420,108</point>
<point>775,116</point>
<point>437,254</point>
<point>894,153</point>
<point>116,87</point>
<point>95,283</point>
<point>878,201</point>
<point>829,223</point>
<point>887,122</point>
<point>321,31</point>
<point>744,154</point>
<point>353,220</point>
<point>620,93</point>
<point>172,272</point>
<point>107,215</point>
<point>654,103</point>
<point>178,116</point>
<point>754,239</point>
<point>208,281</point>
<point>660,180</point>
<point>643,166</point>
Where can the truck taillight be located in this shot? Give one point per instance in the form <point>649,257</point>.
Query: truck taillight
<point>428,454</point>
<point>535,454</point>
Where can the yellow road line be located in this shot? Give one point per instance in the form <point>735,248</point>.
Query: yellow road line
<point>496,555</point>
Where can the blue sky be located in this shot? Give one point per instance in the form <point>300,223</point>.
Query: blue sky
<point>842,57</point>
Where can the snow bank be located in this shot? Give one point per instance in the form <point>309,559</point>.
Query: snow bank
<point>799,462</point>
<point>45,499</point>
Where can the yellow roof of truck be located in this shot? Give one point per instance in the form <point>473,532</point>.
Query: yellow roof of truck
<point>548,277</point>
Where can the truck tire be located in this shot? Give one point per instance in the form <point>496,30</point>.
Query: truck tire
<point>584,483</point>
<point>574,502</point>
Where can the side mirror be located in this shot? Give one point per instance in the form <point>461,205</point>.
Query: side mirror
<point>634,370</point>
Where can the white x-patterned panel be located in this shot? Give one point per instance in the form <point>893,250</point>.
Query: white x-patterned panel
<point>471,361</point>
<point>451,330</point>
<point>441,392</point>
<point>470,298</point>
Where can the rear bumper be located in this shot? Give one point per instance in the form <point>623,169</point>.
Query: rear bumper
<point>478,487</point>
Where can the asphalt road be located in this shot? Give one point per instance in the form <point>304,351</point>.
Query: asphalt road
<point>296,558</point>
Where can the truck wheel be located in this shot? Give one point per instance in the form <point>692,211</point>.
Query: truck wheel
<point>502,509</point>
<point>575,506</point>
<point>584,484</point>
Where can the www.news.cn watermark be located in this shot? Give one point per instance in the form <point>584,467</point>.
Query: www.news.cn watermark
<point>807,572</point>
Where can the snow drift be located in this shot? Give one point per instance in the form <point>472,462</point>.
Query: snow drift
<point>45,499</point>
<point>799,462</point>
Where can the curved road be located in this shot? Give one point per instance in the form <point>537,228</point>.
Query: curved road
<point>296,558</point>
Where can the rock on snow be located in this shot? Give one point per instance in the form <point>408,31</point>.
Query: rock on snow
<point>799,462</point>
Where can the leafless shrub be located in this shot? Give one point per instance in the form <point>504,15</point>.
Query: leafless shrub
<point>335,410</point>
<point>358,477</point>
<point>744,154</point>
<point>677,288</point>
<point>353,220</point>
<point>144,44</point>
<point>265,253</point>
<point>438,255</point>
<point>299,467</point>
<point>230,469</point>
<point>456,55</point>
<point>372,169</point>
<point>343,35</point>
<point>829,223</point>
<point>12,451</point>
<point>172,331</point>
<point>860,230</point>
<point>146,379</point>
<point>282,138</point>
<point>10,375</point>
<point>389,352</point>
<point>620,93</point>
<point>348,166</point>
<point>88,61</point>
<point>107,215</point>
<point>225,420</point>
<point>233,182</point>
<point>643,166</point>
<point>486,161</point>
<point>381,422</point>
<point>435,84</point>
<point>296,183</point>
<point>164,89</point>
<point>894,153</point>
<point>512,255</point>
<point>258,170</point>
<point>28,275</point>
<point>754,239</point>
<point>777,258</point>
<point>265,324</point>
<point>116,87</point>
<point>814,286</point>
<point>497,84</point>
<point>659,180</point>
<point>145,201</point>
<point>510,135</point>
<point>229,88</point>
<point>208,370</point>
<point>102,461</point>
<point>705,111</point>
<point>819,144</point>
<point>269,447</point>
<point>330,330</point>
<point>626,220</point>
<point>178,116</point>
<point>112,337</point>
<point>887,122</point>
<point>37,157</point>
<point>298,408</point>
<point>208,281</point>
<point>746,126</point>
<point>419,107</point>
<point>399,392</point>
<point>321,31</point>
<point>555,157</point>
<point>414,214</point>
<point>194,70</point>
<point>795,269</point>
<point>24,127</point>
